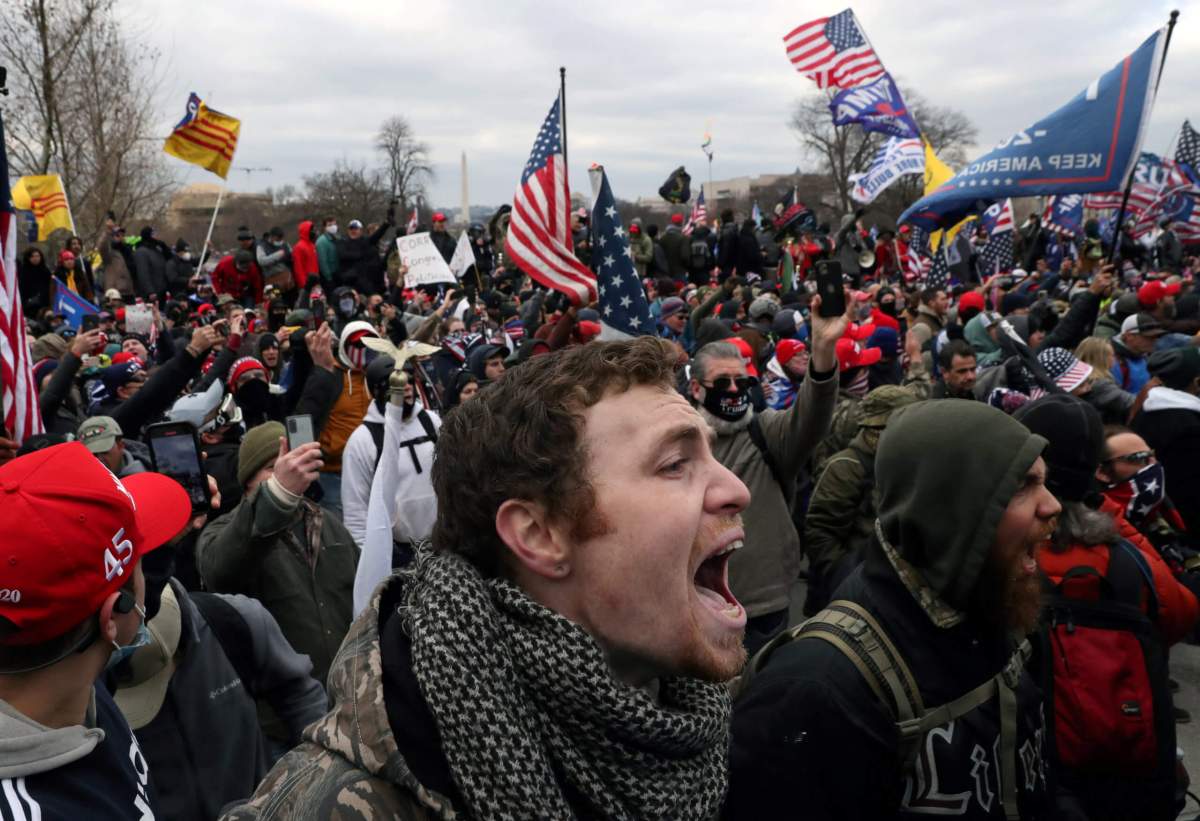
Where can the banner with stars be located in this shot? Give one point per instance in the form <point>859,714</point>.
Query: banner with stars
<point>624,312</point>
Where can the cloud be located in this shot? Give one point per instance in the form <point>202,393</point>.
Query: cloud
<point>312,80</point>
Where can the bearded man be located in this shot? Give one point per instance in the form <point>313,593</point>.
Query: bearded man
<point>560,650</point>
<point>952,579</point>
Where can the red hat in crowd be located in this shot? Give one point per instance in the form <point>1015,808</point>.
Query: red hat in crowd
<point>64,551</point>
<point>243,366</point>
<point>588,330</point>
<point>971,299</point>
<point>438,216</point>
<point>120,314</point>
<point>905,229</point>
<point>851,354</point>
<point>127,356</point>
<point>207,307</point>
<point>1152,293</point>
<point>65,256</point>
<point>859,333</point>
<point>677,219</point>
<point>747,353</point>
<point>787,349</point>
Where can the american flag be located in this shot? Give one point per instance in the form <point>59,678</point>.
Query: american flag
<point>937,274</point>
<point>1180,206</point>
<point>1187,153</point>
<point>699,214</point>
<point>1064,214</point>
<point>1151,177</point>
<point>624,312</point>
<point>833,51</point>
<point>916,253</point>
<point>18,394</point>
<point>997,255</point>
<point>539,234</point>
<point>411,228</point>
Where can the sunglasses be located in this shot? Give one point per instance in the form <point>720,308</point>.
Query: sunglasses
<point>1141,457</point>
<point>723,383</point>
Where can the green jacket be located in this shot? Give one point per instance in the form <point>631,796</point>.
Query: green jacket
<point>348,765</point>
<point>327,258</point>
<point>841,511</point>
<point>643,251</point>
<point>257,549</point>
<point>762,572</point>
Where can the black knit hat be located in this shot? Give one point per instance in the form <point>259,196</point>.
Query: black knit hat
<point>1075,432</point>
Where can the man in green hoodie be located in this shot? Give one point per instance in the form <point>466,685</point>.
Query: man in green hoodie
<point>951,577</point>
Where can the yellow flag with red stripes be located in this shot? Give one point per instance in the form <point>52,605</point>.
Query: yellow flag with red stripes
<point>45,197</point>
<point>205,138</point>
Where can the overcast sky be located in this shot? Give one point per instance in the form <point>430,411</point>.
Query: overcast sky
<point>312,80</point>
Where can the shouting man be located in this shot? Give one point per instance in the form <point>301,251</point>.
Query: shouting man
<point>561,650</point>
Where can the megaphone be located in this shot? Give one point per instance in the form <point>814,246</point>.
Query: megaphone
<point>866,259</point>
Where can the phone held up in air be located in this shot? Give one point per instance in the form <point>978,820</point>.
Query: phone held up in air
<point>299,430</point>
<point>830,287</point>
<point>175,450</point>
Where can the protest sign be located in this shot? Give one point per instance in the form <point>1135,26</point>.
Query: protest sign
<point>139,319</point>
<point>423,260</point>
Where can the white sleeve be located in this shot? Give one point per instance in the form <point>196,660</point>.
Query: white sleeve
<point>358,465</point>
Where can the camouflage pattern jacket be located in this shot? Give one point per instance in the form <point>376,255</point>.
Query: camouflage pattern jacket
<point>348,766</point>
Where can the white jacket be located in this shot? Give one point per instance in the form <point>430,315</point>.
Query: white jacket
<point>402,506</point>
<point>358,467</point>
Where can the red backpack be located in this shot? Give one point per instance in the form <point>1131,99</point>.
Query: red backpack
<point>1103,670</point>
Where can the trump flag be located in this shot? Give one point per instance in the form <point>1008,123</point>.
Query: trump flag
<point>1090,144</point>
<point>875,106</point>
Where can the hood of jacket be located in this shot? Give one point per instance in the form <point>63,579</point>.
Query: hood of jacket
<point>1164,398</point>
<point>357,729</point>
<point>28,748</point>
<point>942,522</point>
<point>977,335</point>
<point>302,231</point>
<point>477,360</point>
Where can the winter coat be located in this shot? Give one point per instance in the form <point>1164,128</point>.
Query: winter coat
<point>351,764</point>
<point>117,259</point>
<point>1177,606</point>
<point>154,398</point>
<point>275,262</point>
<point>347,413</point>
<point>59,402</point>
<point>304,257</point>
<point>257,551</point>
<point>642,248</point>
<point>204,745</point>
<point>761,575</point>
<point>676,246</point>
<point>1170,423</point>
<point>1129,370</point>
<point>33,282</point>
<point>179,273</point>
<point>359,265</point>
<point>1169,252</point>
<point>749,255</point>
<point>809,727</point>
<point>727,248</point>
<point>927,325</point>
<point>150,268</point>
<point>327,258</point>
<point>227,279</point>
<point>444,243</point>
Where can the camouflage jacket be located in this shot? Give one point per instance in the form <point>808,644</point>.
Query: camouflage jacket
<point>348,766</point>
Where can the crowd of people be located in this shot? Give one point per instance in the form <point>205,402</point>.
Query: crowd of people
<point>520,572</point>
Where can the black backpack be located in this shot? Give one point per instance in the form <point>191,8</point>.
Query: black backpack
<point>1102,666</point>
<point>699,255</point>
<point>376,430</point>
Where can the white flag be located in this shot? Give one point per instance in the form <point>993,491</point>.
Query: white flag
<point>897,157</point>
<point>424,261</point>
<point>463,257</point>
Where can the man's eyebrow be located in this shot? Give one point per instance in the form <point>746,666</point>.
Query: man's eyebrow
<point>688,431</point>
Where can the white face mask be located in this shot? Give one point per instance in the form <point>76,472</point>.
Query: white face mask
<point>185,255</point>
<point>331,229</point>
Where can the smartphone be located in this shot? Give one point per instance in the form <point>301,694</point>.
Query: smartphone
<point>299,430</point>
<point>830,287</point>
<point>90,322</point>
<point>175,449</point>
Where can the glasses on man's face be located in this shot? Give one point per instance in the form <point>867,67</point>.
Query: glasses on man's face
<point>1140,458</point>
<point>724,383</point>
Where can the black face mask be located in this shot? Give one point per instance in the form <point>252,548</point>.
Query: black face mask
<point>726,405</point>
<point>888,308</point>
<point>253,398</point>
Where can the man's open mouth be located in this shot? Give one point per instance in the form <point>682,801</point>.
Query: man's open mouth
<point>712,581</point>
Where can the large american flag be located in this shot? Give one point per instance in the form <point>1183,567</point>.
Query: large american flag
<point>1152,177</point>
<point>997,220</point>
<point>1187,151</point>
<point>833,51</point>
<point>18,396</point>
<point>539,234</point>
<point>624,312</point>
<point>699,214</point>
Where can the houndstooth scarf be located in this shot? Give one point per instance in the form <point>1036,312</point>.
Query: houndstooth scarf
<point>534,725</point>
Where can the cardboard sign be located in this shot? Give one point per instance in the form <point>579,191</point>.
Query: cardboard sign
<point>423,260</point>
<point>138,319</point>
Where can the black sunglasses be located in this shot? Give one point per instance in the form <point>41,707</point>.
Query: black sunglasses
<point>1141,457</point>
<point>723,383</point>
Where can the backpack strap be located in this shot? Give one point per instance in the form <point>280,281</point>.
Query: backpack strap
<point>427,424</point>
<point>1129,573</point>
<point>760,442</point>
<point>376,429</point>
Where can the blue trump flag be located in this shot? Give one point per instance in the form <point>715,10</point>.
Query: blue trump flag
<point>1090,144</point>
<point>71,306</point>
<point>876,106</point>
<point>624,312</point>
<point>1064,214</point>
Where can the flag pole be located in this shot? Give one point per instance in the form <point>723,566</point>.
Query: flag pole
<point>562,117</point>
<point>1112,251</point>
<point>208,236</point>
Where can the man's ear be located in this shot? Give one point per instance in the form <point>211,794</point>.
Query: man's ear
<point>534,543</point>
<point>695,389</point>
<point>108,625</point>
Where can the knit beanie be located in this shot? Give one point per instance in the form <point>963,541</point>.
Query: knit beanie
<point>48,346</point>
<point>259,446</point>
<point>243,366</point>
<point>1075,433</point>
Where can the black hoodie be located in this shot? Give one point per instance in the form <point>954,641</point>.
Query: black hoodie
<point>809,734</point>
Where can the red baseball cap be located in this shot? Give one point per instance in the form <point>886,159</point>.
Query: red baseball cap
<point>971,299</point>
<point>850,354</point>
<point>72,534</point>
<point>438,216</point>
<point>1152,293</point>
<point>859,333</point>
<point>747,354</point>
<point>677,219</point>
<point>788,348</point>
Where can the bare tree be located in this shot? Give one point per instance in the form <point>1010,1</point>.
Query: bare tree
<point>347,192</point>
<point>406,159</point>
<point>840,151</point>
<point>85,100</point>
